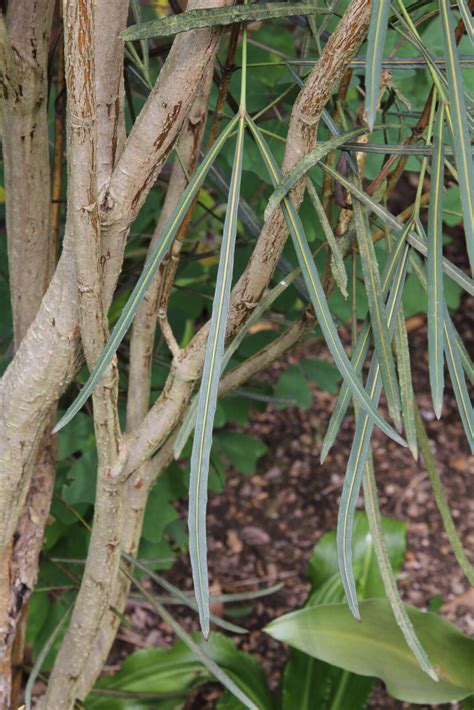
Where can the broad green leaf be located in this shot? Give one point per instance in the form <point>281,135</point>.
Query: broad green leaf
<point>337,261</point>
<point>373,66</point>
<point>293,386</point>
<point>218,16</point>
<point>386,571</point>
<point>307,682</point>
<point>208,394</point>
<point>361,350</point>
<point>459,125</point>
<point>318,298</point>
<point>378,316</point>
<point>149,270</point>
<point>311,159</point>
<point>242,450</point>
<point>435,271</point>
<point>375,646</point>
<point>323,373</point>
<point>157,673</point>
<point>360,450</point>
<point>414,239</point>
<point>323,564</point>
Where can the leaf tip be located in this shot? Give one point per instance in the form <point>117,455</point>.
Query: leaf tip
<point>438,409</point>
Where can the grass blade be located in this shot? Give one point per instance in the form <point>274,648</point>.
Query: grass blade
<point>386,571</point>
<point>309,161</point>
<point>378,317</point>
<point>360,353</point>
<point>218,16</point>
<point>373,67</point>
<point>459,125</point>
<point>435,271</point>
<point>337,260</point>
<point>208,394</point>
<point>360,451</point>
<point>316,292</point>
<point>149,270</point>
<point>419,243</point>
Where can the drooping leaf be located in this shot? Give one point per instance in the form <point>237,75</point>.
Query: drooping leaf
<point>316,292</point>
<point>361,350</point>
<point>453,358</point>
<point>414,239</point>
<point>360,449</point>
<point>208,394</point>
<point>405,379</point>
<point>213,17</point>
<point>373,67</point>
<point>306,163</point>
<point>156,257</point>
<point>378,316</point>
<point>435,271</point>
<point>459,125</point>
<point>375,646</point>
<point>337,261</point>
<point>386,571</point>
<point>467,17</point>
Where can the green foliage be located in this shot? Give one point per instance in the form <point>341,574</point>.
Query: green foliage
<point>375,647</point>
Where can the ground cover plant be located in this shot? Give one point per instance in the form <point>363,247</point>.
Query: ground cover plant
<point>189,194</point>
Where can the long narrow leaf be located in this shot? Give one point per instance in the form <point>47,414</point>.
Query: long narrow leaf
<point>461,393</point>
<point>360,353</point>
<point>208,394</point>
<point>466,361</point>
<point>309,161</point>
<point>373,67</point>
<point>360,450</point>
<point>263,305</point>
<point>440,498</point>
<point>420,244</point>
<point>216,16</point>
<point>386,571</point>
<point>149,270</point>
<point>406,385</point>
<point>467,17</point>
<point>378,317</point>
<point>316,292</point>
<point>455,356</point>
<point>337,260</point>
<point>435,271</point>
<point>459,126</point>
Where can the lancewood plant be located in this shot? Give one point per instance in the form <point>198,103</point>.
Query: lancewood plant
<point>180,234</point>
